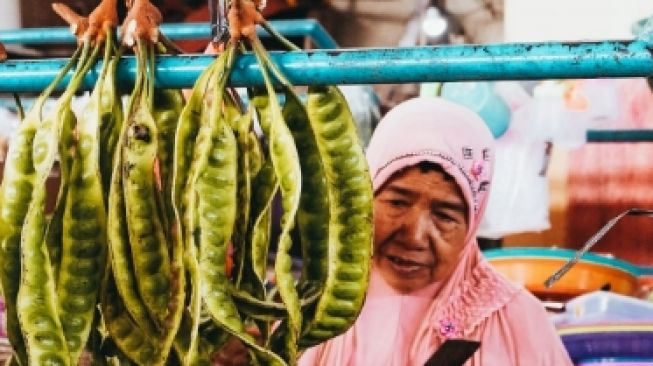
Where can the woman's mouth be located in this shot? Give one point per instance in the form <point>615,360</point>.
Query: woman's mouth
<point>405,266</point>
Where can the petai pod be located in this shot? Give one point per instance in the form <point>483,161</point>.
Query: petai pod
<point>216,188</point>
<point>241,125</point>
<point>256,158</point>
<point>264,188</point>
<point>84,229</point>
<point>190,222</point>
<point>36,301</point>
<point>54,233</point>
<point>148,244</point>
<point>168,104</point>
<point>122,273</point>
<point>187,206</point>
<point>260,100</point>
<point>137,345</point>
<point>119,247</point>
<point>313,213</point>
<point>183,154</point>
<point>285,160</point>
<point>165,108</point>
<point>111,115</point>
<point>350,222</point>
<point>185,136</point>
<point>249,155</point>
<point>15,195</point>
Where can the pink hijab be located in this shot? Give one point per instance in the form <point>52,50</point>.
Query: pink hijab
<point>475,302</point>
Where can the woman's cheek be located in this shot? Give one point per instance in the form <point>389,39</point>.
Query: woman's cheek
<point>446,259</point>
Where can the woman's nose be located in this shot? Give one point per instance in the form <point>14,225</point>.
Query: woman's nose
<point>419,229</point>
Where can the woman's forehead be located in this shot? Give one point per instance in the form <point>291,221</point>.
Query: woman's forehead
<point>415,180</point>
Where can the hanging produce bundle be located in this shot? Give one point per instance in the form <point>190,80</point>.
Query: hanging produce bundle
<point>133,266</point>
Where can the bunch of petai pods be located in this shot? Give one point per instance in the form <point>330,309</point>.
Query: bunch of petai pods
<point>132,265</point>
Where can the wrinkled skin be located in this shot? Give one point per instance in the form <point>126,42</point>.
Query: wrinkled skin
<point>420,228</point>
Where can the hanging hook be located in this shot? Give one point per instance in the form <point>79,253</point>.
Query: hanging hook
<point>218,19</point>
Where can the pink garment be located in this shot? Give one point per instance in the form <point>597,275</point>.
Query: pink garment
<point>475,302</point>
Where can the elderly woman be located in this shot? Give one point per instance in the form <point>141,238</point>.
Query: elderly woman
<point>431,165</point>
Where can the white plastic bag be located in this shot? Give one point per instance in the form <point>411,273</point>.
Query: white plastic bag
<point>519,197</point>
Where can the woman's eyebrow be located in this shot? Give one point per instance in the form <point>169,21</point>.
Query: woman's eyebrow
<point>400,190</point>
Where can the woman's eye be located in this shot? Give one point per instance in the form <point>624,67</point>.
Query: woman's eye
<point>445,217</point>
<point>398,203</point>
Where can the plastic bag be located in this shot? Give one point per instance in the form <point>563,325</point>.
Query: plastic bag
<point>562,112</point>
<point>519,197</point>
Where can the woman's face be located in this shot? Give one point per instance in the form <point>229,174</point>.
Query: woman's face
<point>420,223</point>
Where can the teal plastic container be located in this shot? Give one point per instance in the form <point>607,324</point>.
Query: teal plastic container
<point>481,98</point>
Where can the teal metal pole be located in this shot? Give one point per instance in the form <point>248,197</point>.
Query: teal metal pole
<point>377,66</point>
<point>640,135</point>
